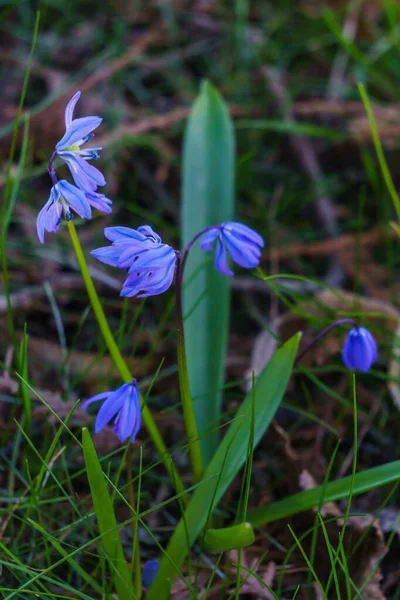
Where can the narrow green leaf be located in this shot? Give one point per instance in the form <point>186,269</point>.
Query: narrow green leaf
<point>227,461</point>
<point>334,490</point>
<point>229,538</point>
<point>207,199</point>
<point>23,391</point>
<point>106,521</point>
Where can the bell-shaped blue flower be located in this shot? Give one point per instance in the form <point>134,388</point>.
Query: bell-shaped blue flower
<point>63,197</point>
<point>360,350</point>
<point>77,133</point>
<point>150,263</point>
<point>149,572</point>
<point>242,244</point>
<point>123,405</point>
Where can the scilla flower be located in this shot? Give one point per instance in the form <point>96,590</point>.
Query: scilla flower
<point>122,404</point>
<point>63,197</point>
<point>150,263</point>
<point>77,133</point>
<point>241,243</point>
<point>360,350</point>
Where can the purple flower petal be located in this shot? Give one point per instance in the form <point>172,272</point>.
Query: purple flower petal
<point>96,398</point>
<point>78,130</point>
<point>220,260</point>
<point>244,232</point>
<point>147,231</point>
<point>69,109</point>
<point>116,234</point>
<point>245,255</point>
<point>110,407</point>
<point>48,218</point>
<point>99,202</point>
<point>155,257</point>
<point>76,198</point>
<point>109,255</point>
<point>126,421</point>
<point>85,175</point>
<point>208,238</point>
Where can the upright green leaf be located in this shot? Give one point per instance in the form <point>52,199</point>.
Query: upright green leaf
<point>106,521</point>
<point>207,199</point>
<point>227,461</point>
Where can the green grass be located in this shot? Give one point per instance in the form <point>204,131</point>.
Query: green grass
<point>66,525</point>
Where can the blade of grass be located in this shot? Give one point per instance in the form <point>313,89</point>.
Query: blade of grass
<point>378,149</point>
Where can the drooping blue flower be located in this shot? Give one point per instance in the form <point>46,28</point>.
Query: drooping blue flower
<point>77,133</point>
<point>360,350</point>
<point>63,197</point>
<point>67,197</point>
<point>149,572</point>
<point>241,243</point>
<point>122,404</point>
<point>150,263</point>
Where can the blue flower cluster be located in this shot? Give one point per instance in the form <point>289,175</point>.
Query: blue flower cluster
<point>151,265</point>
<point>81,197</point>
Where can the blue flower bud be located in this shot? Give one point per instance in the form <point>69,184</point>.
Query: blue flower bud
<point>149,572</point>
<point>360,350</point>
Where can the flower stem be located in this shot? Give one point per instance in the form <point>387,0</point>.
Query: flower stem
<point>323,333</point>
<point>137,568</point>
<point>119,362</point>
<point>186,398</point>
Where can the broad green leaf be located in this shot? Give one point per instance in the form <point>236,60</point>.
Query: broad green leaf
<point>334,490</point>
<point>207,199</point>
<point>106,521</point>
<point>227,461</point>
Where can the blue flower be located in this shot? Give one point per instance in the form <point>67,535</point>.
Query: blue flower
<point>63,196</point>
<point>150,263</point>
<point>239,241</point>
<point>66,197</point>
<point>77,133</point>
<point>150,570</point>
<point>360,350</point>
<point>124,404</point>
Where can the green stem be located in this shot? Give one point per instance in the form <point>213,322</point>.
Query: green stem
<point>120,364</point>
<point>186,398</point>
<point>137,568</point>
<point>378,149</point>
